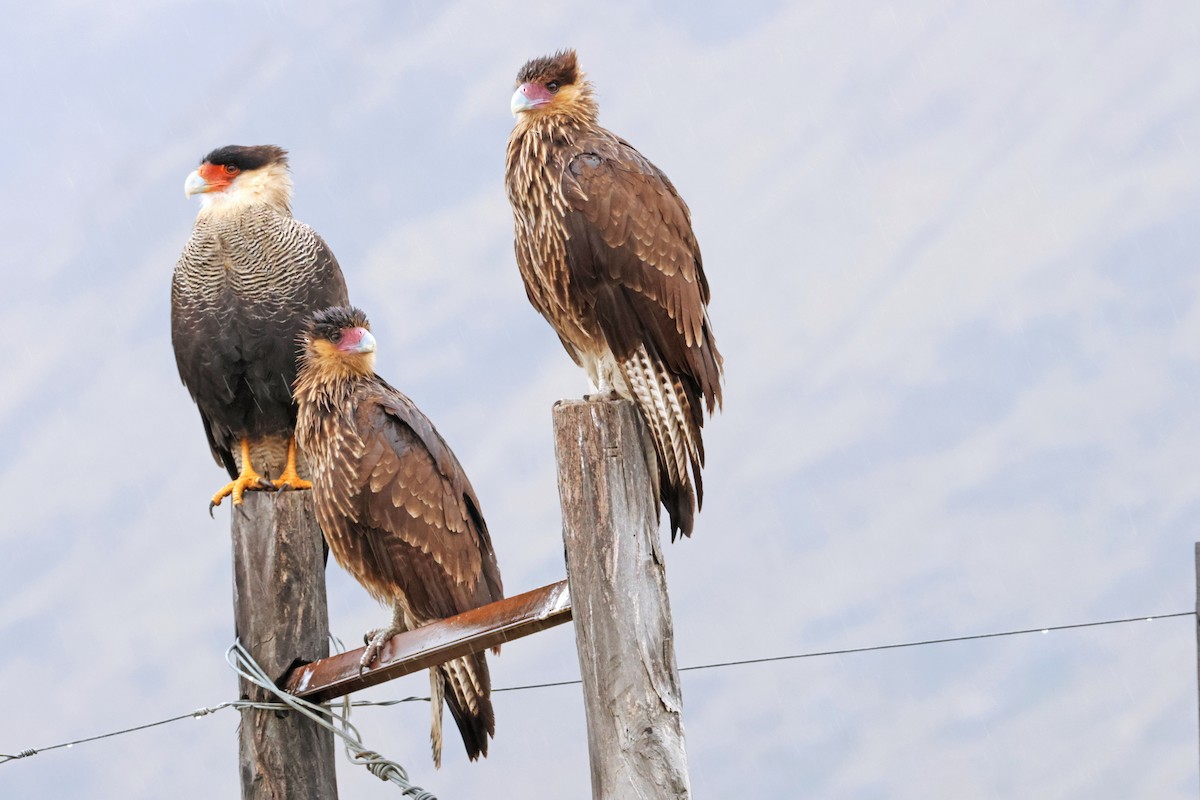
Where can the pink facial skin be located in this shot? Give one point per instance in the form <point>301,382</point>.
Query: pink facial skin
<point>356,340</point>
<point>530,96</point>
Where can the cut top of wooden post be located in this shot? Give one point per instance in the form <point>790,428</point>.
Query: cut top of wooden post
<point>428,646</point>
<point>601,430</point>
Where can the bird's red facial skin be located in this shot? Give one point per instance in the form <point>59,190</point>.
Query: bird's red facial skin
<point>538,94</point>
<point>350,339</point>
<point>217,176</point>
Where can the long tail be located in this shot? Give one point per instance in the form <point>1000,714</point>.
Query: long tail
<point>674,414</point>
<point>466,686</point>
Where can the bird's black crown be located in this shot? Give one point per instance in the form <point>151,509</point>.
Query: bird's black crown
<point>324,324</point>
<point>247,158</point>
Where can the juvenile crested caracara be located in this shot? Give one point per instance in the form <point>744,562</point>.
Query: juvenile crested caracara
<point>397,509</point>
<point>248,279</point>
<point>605,248</point>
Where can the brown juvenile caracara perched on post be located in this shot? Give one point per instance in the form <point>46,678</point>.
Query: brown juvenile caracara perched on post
<point>605,248</point>
<point>397,509</point>
<point>246,283</point>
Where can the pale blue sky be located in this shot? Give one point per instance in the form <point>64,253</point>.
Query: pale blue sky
<point>953,251</point>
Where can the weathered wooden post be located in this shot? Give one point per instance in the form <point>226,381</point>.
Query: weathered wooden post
<point>607,484</point>
<point>281,617</point>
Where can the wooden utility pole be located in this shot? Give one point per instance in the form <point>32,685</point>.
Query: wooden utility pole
<point>281,618</point>
<point>607,484</point>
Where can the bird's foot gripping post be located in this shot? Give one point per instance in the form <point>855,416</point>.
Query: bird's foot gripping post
<point>377,638</point>
<point>247,479</point>
<point>290,479</point>
<point>623,630</point>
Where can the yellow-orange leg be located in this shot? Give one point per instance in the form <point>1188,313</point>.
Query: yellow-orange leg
<point>290,479</point>
<point>246,479</point>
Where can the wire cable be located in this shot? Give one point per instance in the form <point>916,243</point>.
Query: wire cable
<point>239,658</point>
<point>873,648</point>
<point>924,642</point>
<point>5,757</point>
<point>33,751</point>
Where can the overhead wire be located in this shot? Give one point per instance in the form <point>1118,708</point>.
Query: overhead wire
<point>201,712</point>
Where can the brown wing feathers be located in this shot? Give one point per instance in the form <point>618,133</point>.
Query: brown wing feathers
<point>422,509</point>
<point>420,493</point>
<point>631,251</point>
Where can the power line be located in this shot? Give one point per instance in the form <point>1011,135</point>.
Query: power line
<point>200,712</point>
<point>5,758</point>
<point>922,643</point>
<point>872,648</point>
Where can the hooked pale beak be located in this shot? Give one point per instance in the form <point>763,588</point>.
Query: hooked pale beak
<point>195,184</point>
<point>529,96</point>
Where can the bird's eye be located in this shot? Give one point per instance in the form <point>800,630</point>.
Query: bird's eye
<point>552,86</point>
<point>230,169</point>
<point>336,337</point>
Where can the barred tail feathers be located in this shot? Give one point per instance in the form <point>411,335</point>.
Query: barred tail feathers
<point>674,419</point>
<point>466,687</point>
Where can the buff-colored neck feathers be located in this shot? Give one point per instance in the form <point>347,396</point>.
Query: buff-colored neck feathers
<point>575,102</point>
<point>324,370</point>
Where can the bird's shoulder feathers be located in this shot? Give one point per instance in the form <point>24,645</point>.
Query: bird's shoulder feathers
<point>414,494</point>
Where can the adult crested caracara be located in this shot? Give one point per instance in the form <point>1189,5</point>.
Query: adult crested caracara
<point>396,508</point>
<point>605,247</point>
<point>247,281</point>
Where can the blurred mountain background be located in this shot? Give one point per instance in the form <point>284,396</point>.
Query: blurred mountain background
<point>953,251</point>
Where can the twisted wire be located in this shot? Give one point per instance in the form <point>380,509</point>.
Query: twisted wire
<point>240,660</point>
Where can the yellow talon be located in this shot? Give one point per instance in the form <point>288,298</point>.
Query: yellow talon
<point>246,480</point>
<point>290,479</point>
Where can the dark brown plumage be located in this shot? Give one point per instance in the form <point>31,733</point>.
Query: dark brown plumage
<point>605,247</point>
<point>244,286</point>
<point>396,508</point>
